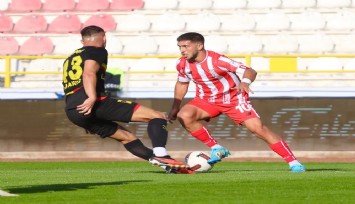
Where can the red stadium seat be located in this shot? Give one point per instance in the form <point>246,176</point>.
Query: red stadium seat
<point>126,5</point>
<point>55,5</point>
<point>105,21</point>
<point>31,24</point>
<point>37,45</point>
<point>25,5</point>
<point>6,24</point>
<point>66,23</point>
<point>92,5</point>
<point>8,45</point>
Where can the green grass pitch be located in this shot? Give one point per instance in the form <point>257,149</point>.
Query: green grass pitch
<point>138,182</point>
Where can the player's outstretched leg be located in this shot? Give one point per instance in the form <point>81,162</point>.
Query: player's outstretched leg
<point>169,170</point>
<point>217,154</point>
<point>168,161</point>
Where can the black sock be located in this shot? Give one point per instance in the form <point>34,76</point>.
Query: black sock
<point>137,148</point>
<point>157,132</point>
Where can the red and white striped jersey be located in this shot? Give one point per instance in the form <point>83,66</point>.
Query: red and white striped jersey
<point>214,77</point>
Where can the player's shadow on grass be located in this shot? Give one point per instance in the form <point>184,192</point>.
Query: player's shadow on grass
<point>272,170</point>
<point>66,187</point>
<point>326,169</point>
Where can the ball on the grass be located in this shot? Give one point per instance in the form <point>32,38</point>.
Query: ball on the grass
<point>197,160</point>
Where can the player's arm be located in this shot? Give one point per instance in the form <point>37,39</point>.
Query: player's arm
<point>248,73</point>
<point>91,67</point>
<point>180,91</point>
<point>249,76</point>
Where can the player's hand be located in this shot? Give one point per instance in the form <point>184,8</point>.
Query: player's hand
<point>243,87</point>
<point>173,114</point>
<point>86,107</point>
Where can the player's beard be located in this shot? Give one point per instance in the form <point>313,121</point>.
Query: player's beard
<point>193,57</point>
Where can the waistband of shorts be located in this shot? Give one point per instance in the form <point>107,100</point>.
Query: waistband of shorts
<point>73,91</point>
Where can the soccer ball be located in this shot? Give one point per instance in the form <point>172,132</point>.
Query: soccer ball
<point>197,161</point>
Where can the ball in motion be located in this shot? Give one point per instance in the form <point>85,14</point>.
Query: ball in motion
<point>197,161</point>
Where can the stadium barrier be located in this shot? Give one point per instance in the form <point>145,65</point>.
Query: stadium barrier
<point>314,128</point>
<point>281,75</point>
<point>277,64</point>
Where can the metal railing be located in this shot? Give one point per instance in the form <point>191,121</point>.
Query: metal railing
<point>248,59</point>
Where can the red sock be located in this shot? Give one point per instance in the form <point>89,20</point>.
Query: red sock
<point>282,149</point>
<point>204,136</point>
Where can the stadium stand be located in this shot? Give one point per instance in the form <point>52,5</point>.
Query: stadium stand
<point>167,45</point>
<point>37,45</point>
<point>345,44</point>
<point>325,64</point>
<point>126,5</point>
<point>333,4</point>
<point>168,23</point>
<point>265,4</point>
<point>204,22</point>
<point>273,21</point>
<point>8,45</point>
<point>46,65</point>
<point>169,64</point>
<point>13,67</point>
<point>58,6</point>
<point>92,5</point>
<point>341,21</point>
<point>135,22</point>
<point>65,45</point>
<point>235,4</point>
<point>25,5</point>
<point>307,21</point>
<point>32,23</point>
<point>299,4</point>
<point>146,45</point>
<point>280,44</point>
<point>119,63</point>
<point>244,44</point>
<point>237,22</point>
<point>216,43</point>
<point>147,64</point>
<point>4,5</point>
<point>106,21</point>
<point>316,44</point>
<point>195,5</point>
<point>6,24</point>
<point>65,23</point>
<point>350,65</point>
<point>160,5</point>
<point>114,45</point>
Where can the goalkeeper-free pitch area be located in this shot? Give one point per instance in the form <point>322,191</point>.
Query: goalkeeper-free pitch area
<point>138,182</point>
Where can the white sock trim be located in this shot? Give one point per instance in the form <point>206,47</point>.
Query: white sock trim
<point>160,151</point>
<point>293,163</point>
<point>216,146</point>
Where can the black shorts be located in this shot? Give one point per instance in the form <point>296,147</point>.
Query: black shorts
<point>104,113</point>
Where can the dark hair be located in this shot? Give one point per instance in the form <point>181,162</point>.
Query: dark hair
<point>91,30</point>
<point>192,36</point>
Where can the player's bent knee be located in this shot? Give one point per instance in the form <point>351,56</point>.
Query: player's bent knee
<point>123,136</point>
<point>184,115</point>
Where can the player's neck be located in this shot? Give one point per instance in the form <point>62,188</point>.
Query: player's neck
<point>201,56</point>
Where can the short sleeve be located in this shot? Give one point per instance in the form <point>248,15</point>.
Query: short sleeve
<point>231,65</point>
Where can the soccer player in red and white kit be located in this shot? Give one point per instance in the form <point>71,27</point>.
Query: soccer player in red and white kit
<point>219,90</point>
